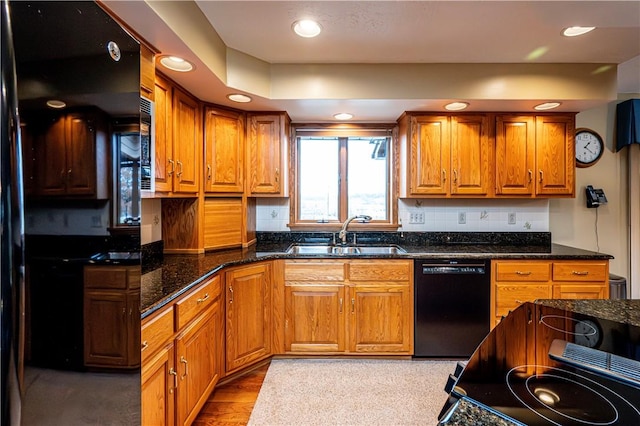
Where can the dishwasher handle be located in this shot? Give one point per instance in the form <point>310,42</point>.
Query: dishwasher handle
<point>467,269</point>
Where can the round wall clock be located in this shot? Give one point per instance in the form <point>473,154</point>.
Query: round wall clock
<point>589,147</point>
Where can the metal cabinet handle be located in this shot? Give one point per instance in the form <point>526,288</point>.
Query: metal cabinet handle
<point>580,272</point>
<point>340,311</point>
<point>186,371</point>
<point>444,175</point>
<point>231,293</point>
<point>523,272</point>
<point>455,175</point>
<point>175,379</point>
<point>353,305</point>
<point>202,299</point>
<point>170,172</point>
<point>62,176</point>
<point>144,346</point>
<point>208,171</point>
<point>277,174</point>
<point>179,174</point>
<point>541,175</point>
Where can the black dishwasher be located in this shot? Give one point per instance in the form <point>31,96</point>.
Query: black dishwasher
<point>452,306</point>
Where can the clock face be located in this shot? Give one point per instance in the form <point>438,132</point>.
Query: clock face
<point>589,147</point>
<point>587,333</point>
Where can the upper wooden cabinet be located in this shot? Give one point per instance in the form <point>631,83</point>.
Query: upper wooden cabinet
<point>535,155</point>
<point>147,72</point>
<point>223,151</point>
<point>71,155</point>
<point>267,142</point>
<point>178,140</point>
<point>445,155</point>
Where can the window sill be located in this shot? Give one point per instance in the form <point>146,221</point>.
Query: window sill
<point>336,226</point>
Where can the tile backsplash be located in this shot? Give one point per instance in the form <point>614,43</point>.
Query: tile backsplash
<point>473,215</point>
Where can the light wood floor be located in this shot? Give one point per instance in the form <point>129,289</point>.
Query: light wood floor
<point>232,402</point>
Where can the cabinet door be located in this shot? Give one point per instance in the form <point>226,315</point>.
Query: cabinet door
<point>159,381</point>
<point>224,151</point>
<point>223,222</point>
<point>555,159</point>
<point>51,161</point>
<point>380,319</point>
<point>430,155</point>
<point>265,145</point>
<point>314,318</point>
<point>81,157</point>
<point>515,155</point>
<point>187,142</point>
<point>470,155</point>
<point>165,166</point>
<point>106,321</point>
<point>248,298</point>
<point>196,361</point>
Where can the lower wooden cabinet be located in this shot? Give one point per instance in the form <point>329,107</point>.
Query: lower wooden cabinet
<point>248,315</point>
<point>112,316</point>
<point>182,354</point>
<point>517,281</point>
<point>348,306</point>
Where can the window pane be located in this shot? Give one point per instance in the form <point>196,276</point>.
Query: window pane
<point>318,172</point>
<point>367,177</point>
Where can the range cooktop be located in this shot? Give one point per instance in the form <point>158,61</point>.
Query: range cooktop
<point>547,366</point>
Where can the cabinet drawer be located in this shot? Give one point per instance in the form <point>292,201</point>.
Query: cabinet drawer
<point>523,271</point>
<point>580,271</point>
<point>387,270</point>
<point>314,270</point>
<point>510,296</point>
<point>156,332</point>
<point>197,301</point>
<point>112,277</point>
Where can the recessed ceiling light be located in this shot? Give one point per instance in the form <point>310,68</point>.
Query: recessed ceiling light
<point>175,63</point>
<point>576,31</point>
<point>343,116</point>
<point>239,97</point>
<point>306,28</point>
<point>456,106</point>
<point>547,105</point>
<point>56,104</point>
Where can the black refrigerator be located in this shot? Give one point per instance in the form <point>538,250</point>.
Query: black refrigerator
<point>12,233</point>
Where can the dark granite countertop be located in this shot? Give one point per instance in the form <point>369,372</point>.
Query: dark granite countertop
<point>173,275</point>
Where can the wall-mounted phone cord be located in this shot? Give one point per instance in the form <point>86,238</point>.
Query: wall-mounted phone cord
<point>597,239</point>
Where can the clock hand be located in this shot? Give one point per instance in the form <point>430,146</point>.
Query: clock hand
<point>586,147</point>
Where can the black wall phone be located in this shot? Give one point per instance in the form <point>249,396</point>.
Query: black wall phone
<point>595,197</point>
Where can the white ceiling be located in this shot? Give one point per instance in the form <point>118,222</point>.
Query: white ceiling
<point>386,32</point>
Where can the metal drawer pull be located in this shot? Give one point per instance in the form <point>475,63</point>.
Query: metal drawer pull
<point>523,272</point>
<point>175,379</point>
<point>145,345</point>
<point>184,361</point>
<point>520,302</point>
<point>202,299</point>
<point>580,272</point>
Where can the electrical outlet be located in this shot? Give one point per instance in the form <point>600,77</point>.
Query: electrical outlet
<point>462,218</point>
<point>511,220</point>
<point>416,217</point>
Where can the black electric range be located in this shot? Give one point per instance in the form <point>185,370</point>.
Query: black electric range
<point>547,366</point>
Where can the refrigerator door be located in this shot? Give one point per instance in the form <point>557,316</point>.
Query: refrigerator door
<point>11,236</point>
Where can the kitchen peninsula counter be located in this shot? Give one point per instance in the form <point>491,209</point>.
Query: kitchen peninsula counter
<point>173,275</point>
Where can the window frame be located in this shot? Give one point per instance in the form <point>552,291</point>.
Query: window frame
<point>344,131</point>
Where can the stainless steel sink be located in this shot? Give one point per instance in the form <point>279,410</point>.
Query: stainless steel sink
<point>345,250</point>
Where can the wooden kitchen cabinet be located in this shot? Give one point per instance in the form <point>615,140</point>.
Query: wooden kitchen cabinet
<point>223,151</point>
<point>267,148</point>
<point>515,282</point>
<point>178,139</point>
<point>72,156</point>
<point>147,72</point>
<point>348,306</point>
<point>112,316</point>
<point>445,155</point>
<point>515,155</point>
<point>248,315</point>
<point>182,353</point>
<point>555,158</point>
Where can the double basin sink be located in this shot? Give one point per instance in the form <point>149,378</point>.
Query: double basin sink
<point>331,249</point>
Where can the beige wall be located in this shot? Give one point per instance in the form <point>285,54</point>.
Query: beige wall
<point>572,223</point>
